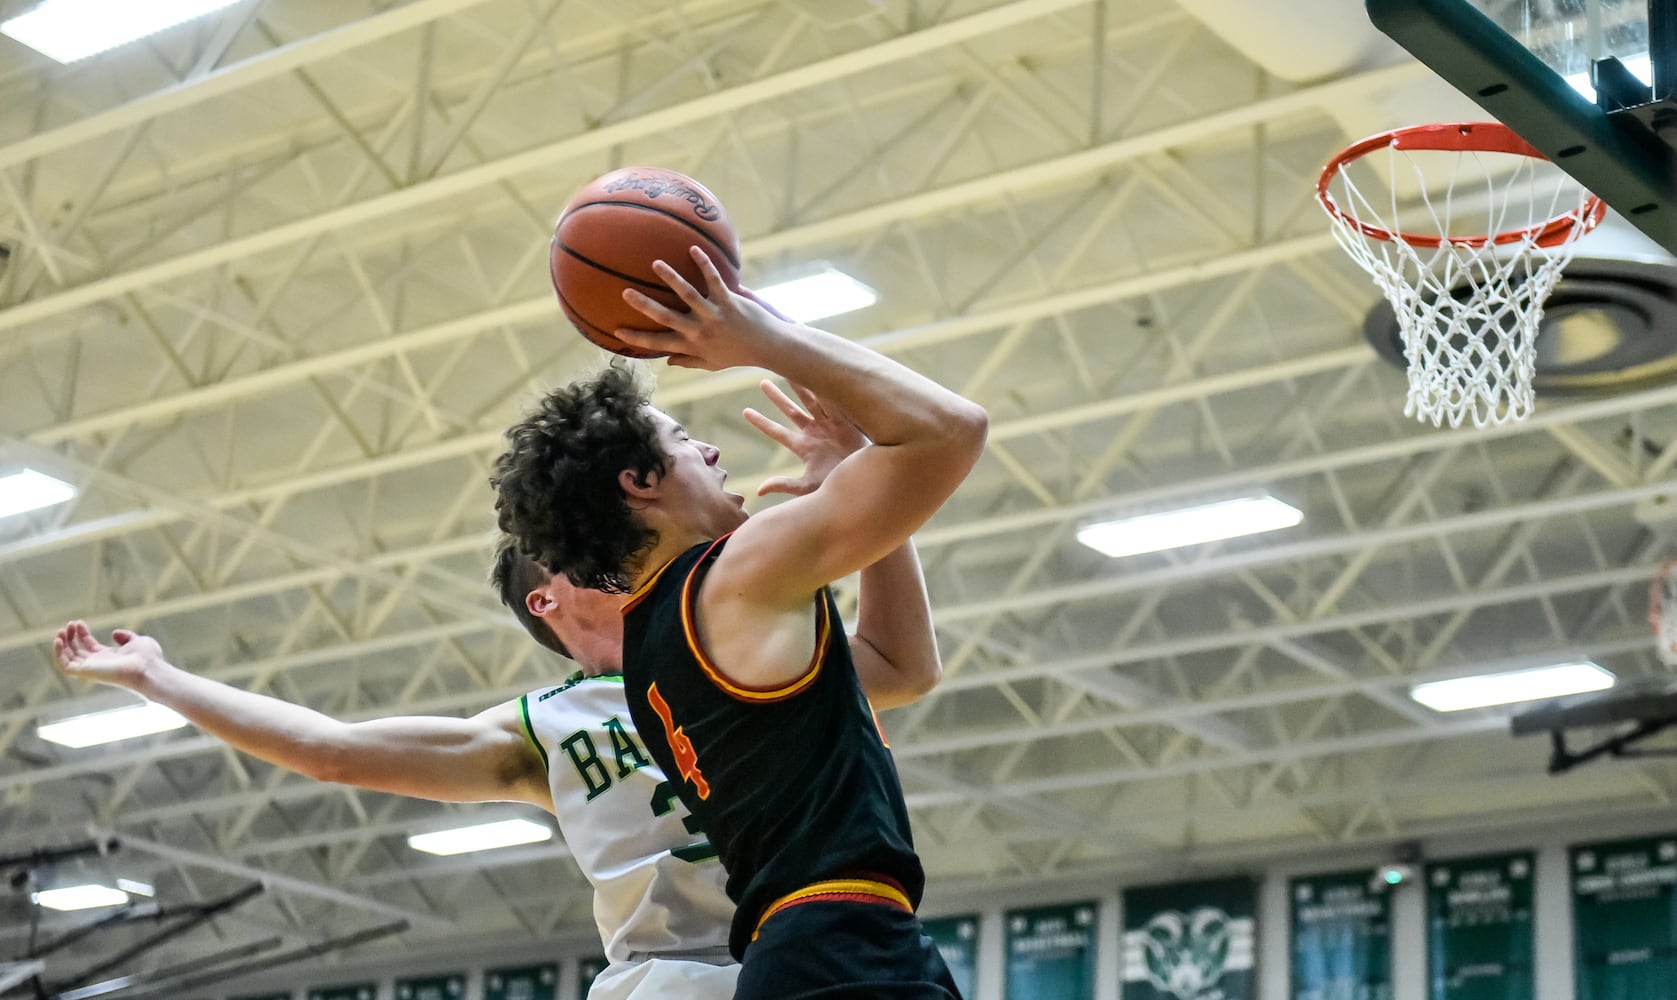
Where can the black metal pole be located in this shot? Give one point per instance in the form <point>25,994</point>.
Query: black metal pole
<point>204,912</point>
<point>153,981</point>
<point>48,855</point>
<point>297,954</point>
<point>128,912</point>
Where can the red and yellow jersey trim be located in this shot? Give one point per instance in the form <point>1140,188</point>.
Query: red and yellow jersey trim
<point>644,589</point>
<point>851,890</point>
<point>689,626</point>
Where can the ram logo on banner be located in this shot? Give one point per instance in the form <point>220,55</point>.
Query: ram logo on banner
<point>1194,941</point>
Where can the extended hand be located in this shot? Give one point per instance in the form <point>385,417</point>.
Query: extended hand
<point>721,329</point>
<point>79,654</point>
<point>820,436</point>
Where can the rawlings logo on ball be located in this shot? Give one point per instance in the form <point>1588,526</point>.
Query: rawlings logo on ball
<point>654,187</point>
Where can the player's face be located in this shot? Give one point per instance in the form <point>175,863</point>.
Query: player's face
<point>693,479</point>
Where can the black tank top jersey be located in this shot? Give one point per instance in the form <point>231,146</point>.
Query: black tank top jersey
<point>792,786</point>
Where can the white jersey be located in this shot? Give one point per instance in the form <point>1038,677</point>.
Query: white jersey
<point>658,888</point>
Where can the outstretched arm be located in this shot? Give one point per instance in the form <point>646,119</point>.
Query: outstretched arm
<point>894,647</point>
<point>481,759</point>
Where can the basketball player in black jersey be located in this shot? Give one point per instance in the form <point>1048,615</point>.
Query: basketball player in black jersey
<point>733,652</point>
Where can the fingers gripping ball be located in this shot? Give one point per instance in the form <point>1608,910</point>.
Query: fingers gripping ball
<point>612,231</point>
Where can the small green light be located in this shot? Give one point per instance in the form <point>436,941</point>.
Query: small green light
<point>1393,876</point>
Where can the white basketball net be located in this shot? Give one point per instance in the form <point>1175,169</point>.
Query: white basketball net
<point>1662,612</point>
<point>1468,314</point>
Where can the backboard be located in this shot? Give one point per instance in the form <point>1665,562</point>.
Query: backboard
<point>1634,710</point>
<point>1592,84</point>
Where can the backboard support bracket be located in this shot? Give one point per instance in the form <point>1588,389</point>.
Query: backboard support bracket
<point>1562,760</point>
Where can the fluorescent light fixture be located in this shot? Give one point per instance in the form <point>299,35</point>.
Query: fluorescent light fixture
<point>107,727</point>
<point>135,888</point>
<point>1515,685</point>
<point>1640,66</point>
<point>827,292</point>
<point>1189,526</point>
<point>80,897</point>
<point>67,30</point>
<point>482,837</point>
<point>31,490</point>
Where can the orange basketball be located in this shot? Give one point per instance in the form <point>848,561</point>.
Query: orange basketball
<point>612,231</point>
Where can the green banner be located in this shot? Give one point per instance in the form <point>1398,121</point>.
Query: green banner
<point>1624,919</point>
<point>1342,937</point>
<point>348,991</point>
<point>1051,952</point>
<point>1191,941</point>
<point>586,970</point>
<point>451,986</point>
<point>957,940</point>
<point>530,982</point>
<point>1479,935</point>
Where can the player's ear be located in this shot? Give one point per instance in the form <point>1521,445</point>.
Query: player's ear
<point>638,485</point>
<point>540,602</point>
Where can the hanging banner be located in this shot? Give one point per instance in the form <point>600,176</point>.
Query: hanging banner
<point>451,986</point>
<point>1051,952</point>
<point>1624,919</point>
<point>349,991</point>
<point>1342,937</point>
<point>530,982</point>
<point>1191,941</point>
<point>586,971</point>
<point>1479,935</point>
<point>957,940</point>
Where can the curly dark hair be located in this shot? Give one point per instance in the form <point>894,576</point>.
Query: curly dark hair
<point>513,575</point>
<point>557,491</point>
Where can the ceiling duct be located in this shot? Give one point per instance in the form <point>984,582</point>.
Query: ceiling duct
<point>1308,41</point>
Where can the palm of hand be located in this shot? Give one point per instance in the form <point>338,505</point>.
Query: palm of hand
<point>825,442</point>
<point>820,437</point>
<point>81,655</point>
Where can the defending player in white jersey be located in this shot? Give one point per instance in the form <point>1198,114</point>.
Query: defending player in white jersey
<point>571,749</point>
<point>658,887</point>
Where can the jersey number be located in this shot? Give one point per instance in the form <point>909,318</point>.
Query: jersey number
<point>596,777</point>
<point>686,758</point>
<point>663,800</point>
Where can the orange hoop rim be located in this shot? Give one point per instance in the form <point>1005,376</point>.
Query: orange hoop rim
<point>1458,137</point>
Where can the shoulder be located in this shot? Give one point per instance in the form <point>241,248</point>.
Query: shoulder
<point>562,704</point>
<point>749,566</point>
<point>519,760</point>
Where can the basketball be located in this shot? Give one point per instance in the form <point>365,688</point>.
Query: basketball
<point>611,232</point>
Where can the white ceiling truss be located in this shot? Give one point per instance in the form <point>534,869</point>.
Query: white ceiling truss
<point>276,283</point>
